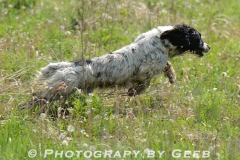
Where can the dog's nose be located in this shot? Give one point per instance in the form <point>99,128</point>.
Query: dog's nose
<point>208,47</point>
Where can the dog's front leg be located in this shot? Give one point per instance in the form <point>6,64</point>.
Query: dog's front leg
<point>138,89</point>
<point>169,72</point>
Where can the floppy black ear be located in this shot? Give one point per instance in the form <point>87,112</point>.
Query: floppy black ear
<point>176,36</point>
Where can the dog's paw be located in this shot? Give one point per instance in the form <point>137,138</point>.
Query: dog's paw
<point>172,81</point>
<point>132,92</point>
<point>31,104</point>
<point>169,72</point>
<point>172,78</point>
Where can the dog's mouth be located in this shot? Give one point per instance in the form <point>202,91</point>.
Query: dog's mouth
<point>199,53</point>
<point>200,50</point>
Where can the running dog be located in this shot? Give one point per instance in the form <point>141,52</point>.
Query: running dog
<point>132,66</point>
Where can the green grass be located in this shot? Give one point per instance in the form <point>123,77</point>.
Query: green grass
<point>200,112</point>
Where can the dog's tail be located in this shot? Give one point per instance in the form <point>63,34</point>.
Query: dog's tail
<point>48,71</point>
<point>58,80</point>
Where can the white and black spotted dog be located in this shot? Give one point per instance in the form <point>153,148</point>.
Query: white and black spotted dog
<point>132,66</point>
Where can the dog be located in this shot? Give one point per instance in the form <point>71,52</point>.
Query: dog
<point>132,66</point>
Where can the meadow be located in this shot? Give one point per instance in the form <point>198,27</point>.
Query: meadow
<point>198,117</point>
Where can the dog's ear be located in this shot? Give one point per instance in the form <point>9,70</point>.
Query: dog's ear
<point>177,37</point>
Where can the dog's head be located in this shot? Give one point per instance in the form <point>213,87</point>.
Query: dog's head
<point>185,38</point>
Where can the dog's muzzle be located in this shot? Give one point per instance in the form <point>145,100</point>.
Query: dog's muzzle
<point>206,47</point>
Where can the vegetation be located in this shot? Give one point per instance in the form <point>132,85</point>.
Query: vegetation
<point>200,112</point>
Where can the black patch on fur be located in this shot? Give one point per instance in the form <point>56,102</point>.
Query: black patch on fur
<point>136,71</point>
<point>80,62</point>
<point>154,43</point>
<point>126,57</point>
<point>110,58</point>
<point>185,38</point>
<point>97,75</point>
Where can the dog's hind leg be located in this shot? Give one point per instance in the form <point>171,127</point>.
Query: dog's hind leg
<point>58,92</point>
<point>169,72</point>
<point>139,88</point>
<point>57,87</point>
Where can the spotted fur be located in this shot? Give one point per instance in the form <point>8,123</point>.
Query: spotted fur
<point>132,66</point>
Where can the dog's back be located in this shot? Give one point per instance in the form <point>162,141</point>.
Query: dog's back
<point>154,32</point>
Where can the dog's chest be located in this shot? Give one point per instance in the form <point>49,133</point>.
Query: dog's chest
<point>153,64</point>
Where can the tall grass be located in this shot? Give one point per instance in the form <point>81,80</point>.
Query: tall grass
<point>200,112</point>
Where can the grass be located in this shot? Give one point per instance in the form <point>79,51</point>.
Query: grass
<point>201,112</point>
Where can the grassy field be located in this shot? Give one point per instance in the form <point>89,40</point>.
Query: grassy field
<point>199,116</point>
